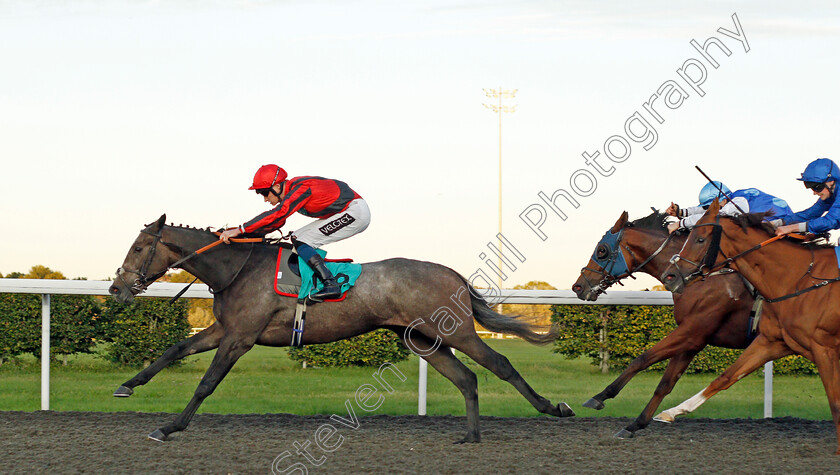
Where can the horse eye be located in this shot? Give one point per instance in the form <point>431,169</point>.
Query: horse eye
<point>700,239</point>
<point>601,252</point>
<point>138,249</point>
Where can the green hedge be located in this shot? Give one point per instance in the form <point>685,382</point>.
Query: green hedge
<point>370,349</point>
<point>139,333</point>
<point>20,325</point>
<point>74,324</point>
<point>630,330</point>
<point>133,334</point>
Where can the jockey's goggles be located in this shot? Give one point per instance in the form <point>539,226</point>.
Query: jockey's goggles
<point>815,185</point>
<point>263,191</point>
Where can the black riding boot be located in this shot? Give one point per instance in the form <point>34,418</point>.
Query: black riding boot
<point>331,290</point>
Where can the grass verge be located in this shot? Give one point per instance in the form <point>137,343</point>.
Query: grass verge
<point>266,381</point>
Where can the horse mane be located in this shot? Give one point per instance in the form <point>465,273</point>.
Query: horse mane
<point>655,221</point>
<point>208,229</point>
<point>757,220</point>
<point>267,241</point>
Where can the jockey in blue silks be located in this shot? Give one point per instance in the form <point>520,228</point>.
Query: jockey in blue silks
<point>749,200</point>
<point>820,176</point>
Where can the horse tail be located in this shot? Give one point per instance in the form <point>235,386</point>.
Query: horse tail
<point>496,322</point>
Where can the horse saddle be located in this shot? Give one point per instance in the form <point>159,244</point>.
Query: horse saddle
<point>294,278</point>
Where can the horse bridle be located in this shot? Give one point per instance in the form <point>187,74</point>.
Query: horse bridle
<point>708,259</point>
<point>142,282</point>
<point>714,249</point>
<point>610,276</point>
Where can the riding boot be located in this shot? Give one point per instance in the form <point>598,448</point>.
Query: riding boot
<point>332,289</point>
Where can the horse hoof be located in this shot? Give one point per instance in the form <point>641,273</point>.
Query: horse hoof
<point>123,391</point>
<point>664,417</point>
<point>624,434</point>
<point>565,410</point>
<point>593,403</point>
<point>157,435</point>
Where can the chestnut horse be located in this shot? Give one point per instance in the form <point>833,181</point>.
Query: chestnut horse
<point>714,312</point>
<point>796,278</point>
<point>431,307</point>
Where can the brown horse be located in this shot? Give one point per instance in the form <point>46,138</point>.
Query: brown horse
<point>797,278</point>
<point>714,312</point>
<point>431,307</point>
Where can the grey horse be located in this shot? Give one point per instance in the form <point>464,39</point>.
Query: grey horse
<point>431,308</point>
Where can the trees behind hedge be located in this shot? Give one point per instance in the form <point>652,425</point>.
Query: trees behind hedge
<point>612,336</point>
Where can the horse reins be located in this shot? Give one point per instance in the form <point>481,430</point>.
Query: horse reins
<point>728,260</point>
<point>143,281</point>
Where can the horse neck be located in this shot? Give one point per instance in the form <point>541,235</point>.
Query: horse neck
<point>645,242</point>
<point>776,269</point>
<point>211,267</point>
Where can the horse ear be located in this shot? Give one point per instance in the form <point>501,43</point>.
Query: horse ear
<point>714,208</point>
<point>622,221</point>
<point>161,221</point>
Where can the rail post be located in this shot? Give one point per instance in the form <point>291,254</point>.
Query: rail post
<point>421,387</point>
<point>45,352</point>
<point>768,389</point>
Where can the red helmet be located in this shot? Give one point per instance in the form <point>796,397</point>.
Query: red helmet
<point>268,176</point>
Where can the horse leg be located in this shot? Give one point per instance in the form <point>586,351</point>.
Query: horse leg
<point>230,350</point>
<point>759,352</point>
<point>678,341</point>
<point>472,346</point>
<point>454,370</point>
<point>676,368</point>
<point>828,365</point>
<point>205,340</point>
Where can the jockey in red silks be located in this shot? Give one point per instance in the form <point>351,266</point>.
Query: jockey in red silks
<point>341,213</point>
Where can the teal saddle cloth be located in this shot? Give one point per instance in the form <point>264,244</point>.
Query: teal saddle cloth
<point>294,278</point>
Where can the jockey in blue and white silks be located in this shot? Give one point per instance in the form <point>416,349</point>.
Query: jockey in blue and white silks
<point>820,176</point>
<point>750,200</point>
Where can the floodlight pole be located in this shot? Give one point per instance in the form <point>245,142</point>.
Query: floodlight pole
<point>500,109</point>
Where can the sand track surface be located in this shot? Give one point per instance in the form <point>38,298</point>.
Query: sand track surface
<point>91,442</point>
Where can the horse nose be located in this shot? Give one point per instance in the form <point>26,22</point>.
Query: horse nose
<point>113,290</point>
<point>577,288</point>
<point>673,282</point>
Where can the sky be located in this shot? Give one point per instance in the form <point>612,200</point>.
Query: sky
<point>115,112</point>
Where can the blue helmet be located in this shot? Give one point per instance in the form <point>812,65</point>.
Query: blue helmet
<point>710,191</point>
<point>820,170</point>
